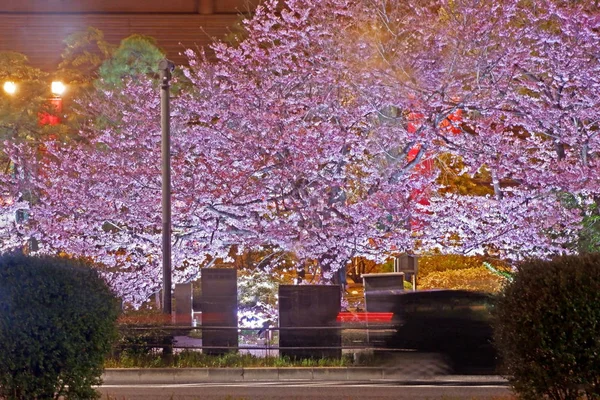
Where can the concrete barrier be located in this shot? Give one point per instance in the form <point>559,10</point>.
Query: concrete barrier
<point>132,376</point>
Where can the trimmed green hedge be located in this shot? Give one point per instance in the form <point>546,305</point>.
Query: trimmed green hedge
<point>429,263</point>
<point>57,324</point>
<point>547,328</point>
<point>477,279</point>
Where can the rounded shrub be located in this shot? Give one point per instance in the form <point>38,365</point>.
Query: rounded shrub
<point>57,323</point>
<point>547,328</point>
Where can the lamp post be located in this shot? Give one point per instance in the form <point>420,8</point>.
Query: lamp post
<point>166,67</point>
<point>10,87</point>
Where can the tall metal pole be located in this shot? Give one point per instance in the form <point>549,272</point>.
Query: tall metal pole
<point>166,67</point>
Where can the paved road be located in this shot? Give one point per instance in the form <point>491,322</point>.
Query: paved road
<point>334,390</point>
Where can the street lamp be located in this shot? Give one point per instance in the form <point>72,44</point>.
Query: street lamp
<point>165,68</point>
<point>57,88</point>
<point>10,87</point>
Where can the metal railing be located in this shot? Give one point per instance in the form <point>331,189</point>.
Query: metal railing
<point>352,337</point>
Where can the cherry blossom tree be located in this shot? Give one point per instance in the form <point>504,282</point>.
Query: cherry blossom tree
<point>319,132</point>
<point>540,137</point>
<point>281,109</point>
<point>506,67</point>
<point>260,150</point>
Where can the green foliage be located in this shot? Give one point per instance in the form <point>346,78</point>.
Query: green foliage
<point>438,263</point>
<point>589,236</point>
<point>15,67</point>
<point>85,51</point>
<point>588,240</point>
<point>454,179</point>
<point>360,265</point>
<point>57,324</point>
<point>141,342</point>
<point>136,55</point>
<point>503,273</point>
<point>196,359</point>
<point>547,328</point>
<point>19,112</point>
<point>477,279</point>
<point>387,266</point>
<point>143,332</point>
<point>135,59</point>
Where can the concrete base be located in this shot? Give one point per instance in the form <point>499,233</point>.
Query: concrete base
<point>121,376</point>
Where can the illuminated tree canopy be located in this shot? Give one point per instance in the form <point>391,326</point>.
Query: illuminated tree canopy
<point>325,133</point>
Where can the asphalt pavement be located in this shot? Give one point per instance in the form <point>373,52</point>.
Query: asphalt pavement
<point>306,390</point>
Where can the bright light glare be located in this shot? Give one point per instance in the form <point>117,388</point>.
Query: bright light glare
<point>10,87</point>
<point>58,88</point>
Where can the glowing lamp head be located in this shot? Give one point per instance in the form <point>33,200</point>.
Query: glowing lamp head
<point>57,88</point>
<point>10,87</point>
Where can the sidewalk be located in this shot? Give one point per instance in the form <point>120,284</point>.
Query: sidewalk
<point>121,376</point>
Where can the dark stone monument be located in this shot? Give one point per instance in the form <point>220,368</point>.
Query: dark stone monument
<point>308,321</point>
<point>219,310</point>
<point>381,290</point>
<point>183,304</point>
<point>409,265</point>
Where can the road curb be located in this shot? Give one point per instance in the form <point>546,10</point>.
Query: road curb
<point>120,376</point>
